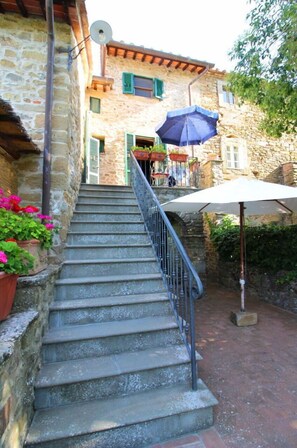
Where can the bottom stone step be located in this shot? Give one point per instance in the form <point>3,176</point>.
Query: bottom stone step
<point>126,422</point>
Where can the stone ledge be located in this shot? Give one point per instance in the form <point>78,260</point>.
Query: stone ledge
<point>38,279</point>
<point>12,329</point>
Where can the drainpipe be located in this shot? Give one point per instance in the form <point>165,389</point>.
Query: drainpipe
<point>194,80</point>
<point>190,96</point>
<point>46,181</point>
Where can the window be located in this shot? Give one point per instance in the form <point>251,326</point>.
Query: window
<point>235,154</point>
<point>95,105</point>
<point>232,156</point>
<point>101,143</point>
<point>225,95</point>
<point>142,86</point>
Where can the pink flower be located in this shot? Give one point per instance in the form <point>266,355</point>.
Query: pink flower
<point>30,209</point>
<point>15,198</point>
<point>49,226</point>
<point>47,217</point>
<point>3,257</point>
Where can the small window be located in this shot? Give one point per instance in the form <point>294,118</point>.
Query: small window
<point>95,105</point>
<point>226,97</point>
<point>142,86</point>
<point>101,141</point>
<point>232,156</point>
<point>235,154</point>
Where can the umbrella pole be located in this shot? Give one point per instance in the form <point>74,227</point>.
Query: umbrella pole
<point>242,256</point>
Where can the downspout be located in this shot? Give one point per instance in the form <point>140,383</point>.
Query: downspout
<point>194,80</point>
<point>190,95</point>
<point>46,181</point>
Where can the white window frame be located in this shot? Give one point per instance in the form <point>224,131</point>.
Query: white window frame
<point>234,154</point>
<point>226,98</point>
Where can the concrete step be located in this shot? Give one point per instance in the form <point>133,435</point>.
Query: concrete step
<point>67,382</point>
<point>114,285</point>
<point>104,207</point>
<point>107,338</point>
<point>109,216</point>
<point>103,199</point>
<point>107,251</point>
<point>84,237</point>
<point>112,189</point>
<point>126,422</point>
<point>90,268</point>
<point>104,309</point>
<point>118,226</point>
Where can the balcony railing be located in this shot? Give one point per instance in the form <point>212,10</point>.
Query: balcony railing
<point>181,279</point>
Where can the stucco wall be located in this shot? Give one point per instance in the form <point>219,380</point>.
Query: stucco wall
<point>23,55</point>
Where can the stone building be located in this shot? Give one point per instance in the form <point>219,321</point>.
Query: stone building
<point>126,107</point>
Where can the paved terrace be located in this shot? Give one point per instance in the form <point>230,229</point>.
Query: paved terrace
<point>251,370</point>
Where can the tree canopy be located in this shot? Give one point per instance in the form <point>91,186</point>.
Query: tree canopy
<point>266,64</point>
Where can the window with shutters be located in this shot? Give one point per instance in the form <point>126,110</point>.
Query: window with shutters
<point>142,86</point>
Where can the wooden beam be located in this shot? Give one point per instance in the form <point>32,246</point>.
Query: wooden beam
<point>42,7</point>
<point>7,118</point>
<point>9,137</point>
<point>22,8</point>
<point>66,13</point>
<point>185,67</point>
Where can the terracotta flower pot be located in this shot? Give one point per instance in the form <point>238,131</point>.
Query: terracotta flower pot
<point>178,157</point>
<point>141,155</point>
<point>159,156</point>
<point>34,248</point>
<point>8,284</point>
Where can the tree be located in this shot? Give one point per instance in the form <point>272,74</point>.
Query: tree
<point>266,70</point>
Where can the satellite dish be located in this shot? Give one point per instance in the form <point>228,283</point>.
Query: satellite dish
<point>101,32</point>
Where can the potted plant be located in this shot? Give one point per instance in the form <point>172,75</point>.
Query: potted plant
<point>194,164</point>
<point>14,261</point>
<point>178,155</point>
<point>158,152</point>
<point>29,229</point>
<point>141,153</point>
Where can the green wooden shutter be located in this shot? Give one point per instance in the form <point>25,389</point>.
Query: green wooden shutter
<point>129,141</point>
<point>128,83</point>
<point>158,88</point>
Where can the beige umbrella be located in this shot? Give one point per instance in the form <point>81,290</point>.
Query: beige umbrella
<point>241,197</point>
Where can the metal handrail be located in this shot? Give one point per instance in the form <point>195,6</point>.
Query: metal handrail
<point>180,277</point>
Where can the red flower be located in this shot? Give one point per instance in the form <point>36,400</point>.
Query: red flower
<point>11,240</point>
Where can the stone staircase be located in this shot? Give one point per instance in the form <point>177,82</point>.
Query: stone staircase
<point>115,372</point>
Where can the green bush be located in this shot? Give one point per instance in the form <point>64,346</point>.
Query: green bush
<point>268,246</point>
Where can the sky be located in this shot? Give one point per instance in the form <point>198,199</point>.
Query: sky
<point>201,29</point>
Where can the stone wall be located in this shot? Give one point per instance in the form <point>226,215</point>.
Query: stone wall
<point>263,285</point>
<point>188,226</point>
<point>21,339</point>
<point>23,56</point>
